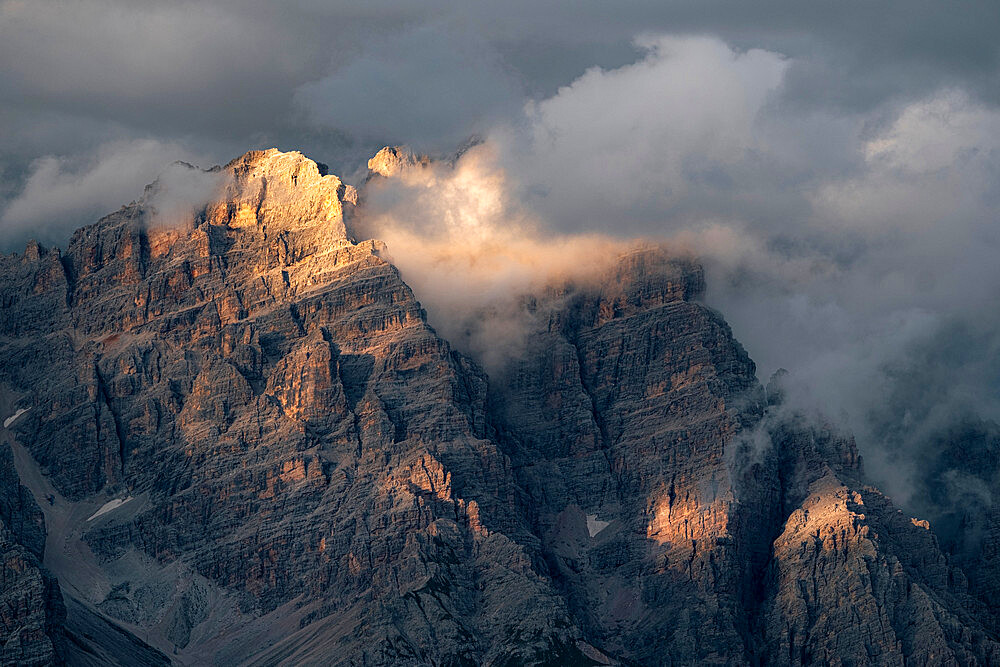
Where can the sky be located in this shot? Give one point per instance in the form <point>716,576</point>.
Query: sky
<point>835,165</point>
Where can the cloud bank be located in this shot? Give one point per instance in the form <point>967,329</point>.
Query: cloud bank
<point>61,195</point>
<point>219,77</point>
<point>471,251</point>
<point>856,250</point>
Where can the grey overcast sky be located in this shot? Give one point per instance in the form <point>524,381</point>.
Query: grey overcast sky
<point>96,80</point>
<point>836,164</point>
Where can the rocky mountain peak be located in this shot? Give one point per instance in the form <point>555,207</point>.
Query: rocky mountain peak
<point>249,447</point>
<point>278,190</point>
<point>392,160</point>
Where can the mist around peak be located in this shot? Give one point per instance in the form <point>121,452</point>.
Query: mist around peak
<point>856,249</point>
<point>180,193</point>
<point>477,258</point>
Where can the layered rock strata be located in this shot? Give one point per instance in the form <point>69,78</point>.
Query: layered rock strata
<point>258,451</point>
<point>32,613</point>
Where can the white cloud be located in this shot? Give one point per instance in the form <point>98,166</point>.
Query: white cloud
<point>635,142</point>
<point>470,251</point>
<point>61,195</point>
<point>181,191</point>
<point>858,253</point>
<point>939,133</point>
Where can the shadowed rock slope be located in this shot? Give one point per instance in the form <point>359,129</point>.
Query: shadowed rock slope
<point>31,607</point>
<point>251,448</point>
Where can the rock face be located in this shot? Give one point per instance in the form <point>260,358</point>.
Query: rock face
<point>391,161</point>
<point>622,413</point>
<point>852,580</point>
<point>257,451</point>
<point>31,607</point>
<point>286,426</point>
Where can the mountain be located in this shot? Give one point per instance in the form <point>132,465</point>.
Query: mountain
<point>239,441</point>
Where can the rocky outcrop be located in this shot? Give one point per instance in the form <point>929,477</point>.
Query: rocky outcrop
<point>31,607</point>
<point>260,452</point>
<point>854,581</point>
<point>621,416</point>
<point>392,161</point>
<point>269,400</point>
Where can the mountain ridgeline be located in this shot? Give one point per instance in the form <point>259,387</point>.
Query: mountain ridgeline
<point>239,441</point>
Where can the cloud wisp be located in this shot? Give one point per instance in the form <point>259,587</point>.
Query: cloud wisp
<point>180,192</point>
<point>61,195</point>
<point>471,252</point>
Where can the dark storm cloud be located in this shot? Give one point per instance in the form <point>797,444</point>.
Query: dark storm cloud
<point>431,86</point>
<point>227,71</point>
<point>164,67</point>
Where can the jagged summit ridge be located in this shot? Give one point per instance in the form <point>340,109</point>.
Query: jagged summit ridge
<point>391,161</point>
<point>282,190</point>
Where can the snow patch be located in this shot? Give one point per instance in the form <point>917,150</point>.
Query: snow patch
<point>109,506</point>
<point>10,420</point>
<point>595,525</point>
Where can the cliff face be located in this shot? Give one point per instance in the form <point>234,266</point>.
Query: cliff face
<point>31,606</point>
<point>622,415</point>
<point>251,448</point>
<point>689,517</point>
<point>279,420</point>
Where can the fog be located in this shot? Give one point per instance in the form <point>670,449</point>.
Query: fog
<point>857,251</point>
<point>471,251</point>
<point>180,192</point>
<point>62,194</point>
